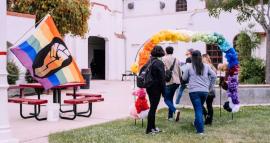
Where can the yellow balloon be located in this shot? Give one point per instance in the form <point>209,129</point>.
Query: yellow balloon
<point>134,68</point>
<point>181,37</point>
<point>174,38</point>
<point>162,36</point>
<point>187,38</point>
<point>155,39</point>
<point>178,37</point>
<point>168,37</point>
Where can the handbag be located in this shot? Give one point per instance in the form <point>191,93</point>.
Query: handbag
<point>168,73</point>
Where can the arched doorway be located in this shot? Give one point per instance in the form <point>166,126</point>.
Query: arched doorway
<point>243,45</point>
<point>96,57</point>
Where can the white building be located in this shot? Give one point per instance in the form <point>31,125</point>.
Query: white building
<point>118,28</point>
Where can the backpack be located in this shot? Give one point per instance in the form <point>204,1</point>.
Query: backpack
<point>168,73</point>
<point>145,79</point>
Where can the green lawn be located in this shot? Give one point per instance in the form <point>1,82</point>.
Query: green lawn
<point>251,124</point>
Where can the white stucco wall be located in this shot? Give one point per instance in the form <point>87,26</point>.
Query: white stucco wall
<point>105,24</point>
<point>260,51</point>
<point>152,7</point>
<point>142,26</point>
<point>78,47</point>
<point>142,22</point>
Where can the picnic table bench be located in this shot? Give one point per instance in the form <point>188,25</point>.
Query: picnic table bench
<point>84,95</point>
<point>83,100</point>
<point>36,102</point>
<point>86,98</point>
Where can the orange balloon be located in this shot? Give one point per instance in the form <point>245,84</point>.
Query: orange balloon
<point>148,48</point>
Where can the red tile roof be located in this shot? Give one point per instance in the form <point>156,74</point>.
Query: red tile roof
<point>21,15</point>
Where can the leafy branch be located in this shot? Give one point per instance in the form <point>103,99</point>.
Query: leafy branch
<point>70,16</point>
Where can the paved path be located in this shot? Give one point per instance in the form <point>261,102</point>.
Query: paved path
<point>118,100</point>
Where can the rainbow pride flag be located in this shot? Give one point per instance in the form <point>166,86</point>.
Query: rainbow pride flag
<point>47,57</point>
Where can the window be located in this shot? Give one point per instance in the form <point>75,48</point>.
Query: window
<point>215,54</point>
<point>181,5</point>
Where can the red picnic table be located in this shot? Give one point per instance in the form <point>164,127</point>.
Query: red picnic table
<point>56,90</point>
<point>56,99</point>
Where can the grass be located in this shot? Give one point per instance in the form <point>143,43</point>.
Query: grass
<point>250,125</point>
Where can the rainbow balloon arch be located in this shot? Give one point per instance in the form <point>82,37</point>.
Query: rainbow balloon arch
<point>188,36</point>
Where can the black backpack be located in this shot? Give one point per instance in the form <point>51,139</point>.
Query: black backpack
<point>168,73</point>
<point>145,79</point>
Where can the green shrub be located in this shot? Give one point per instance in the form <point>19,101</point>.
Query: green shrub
<point>252,71</point>
<point>13,72</point>
<point>245,43</point>
<point>29,78</point>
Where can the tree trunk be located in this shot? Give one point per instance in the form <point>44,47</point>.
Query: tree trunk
<point>267,73</point>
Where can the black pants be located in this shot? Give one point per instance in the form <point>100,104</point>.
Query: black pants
<point>154,94</point>
<point>208,114</point>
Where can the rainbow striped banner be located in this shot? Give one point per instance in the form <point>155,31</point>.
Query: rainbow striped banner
<point>47,57</point>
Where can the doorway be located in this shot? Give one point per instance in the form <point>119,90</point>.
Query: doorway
<point>96,57</point>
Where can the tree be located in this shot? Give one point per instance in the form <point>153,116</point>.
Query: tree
<point>245,42</point>
<point>70,16</point>
<point>252,69</point>
<point>247,9</point>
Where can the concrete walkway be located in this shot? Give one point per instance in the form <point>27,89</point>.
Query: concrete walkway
<point>118,100</point>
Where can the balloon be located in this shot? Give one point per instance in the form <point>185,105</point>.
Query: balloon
<point>134,68</point>
<point>187,36</point>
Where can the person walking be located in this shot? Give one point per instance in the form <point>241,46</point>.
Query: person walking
<point>156,89</point>
<point>171,65</point>
<point>201,81</point>
<point>183,85</point>
<point>208,114</point>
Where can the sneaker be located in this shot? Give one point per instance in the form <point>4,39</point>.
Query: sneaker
<point>170,119</point>
<point>208,121</point>
<point>201,134</point>
<point>177,117</point>
<point>157,130</point>
<point>152,132</point>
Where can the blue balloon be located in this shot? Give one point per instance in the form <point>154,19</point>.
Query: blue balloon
<point>225,46</point>
<point>232,58</point>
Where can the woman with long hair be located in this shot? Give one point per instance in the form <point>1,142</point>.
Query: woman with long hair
<point>201,80</point>
<point>208,114</point>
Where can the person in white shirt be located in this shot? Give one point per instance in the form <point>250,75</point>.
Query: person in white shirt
<point>172,63</point>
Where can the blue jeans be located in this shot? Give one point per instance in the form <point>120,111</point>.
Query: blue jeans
<point>168,98</point>
<point>182,87</point>
<point>198,99</point>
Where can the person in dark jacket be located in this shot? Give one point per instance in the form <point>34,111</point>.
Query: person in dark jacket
<point>157,88</point>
